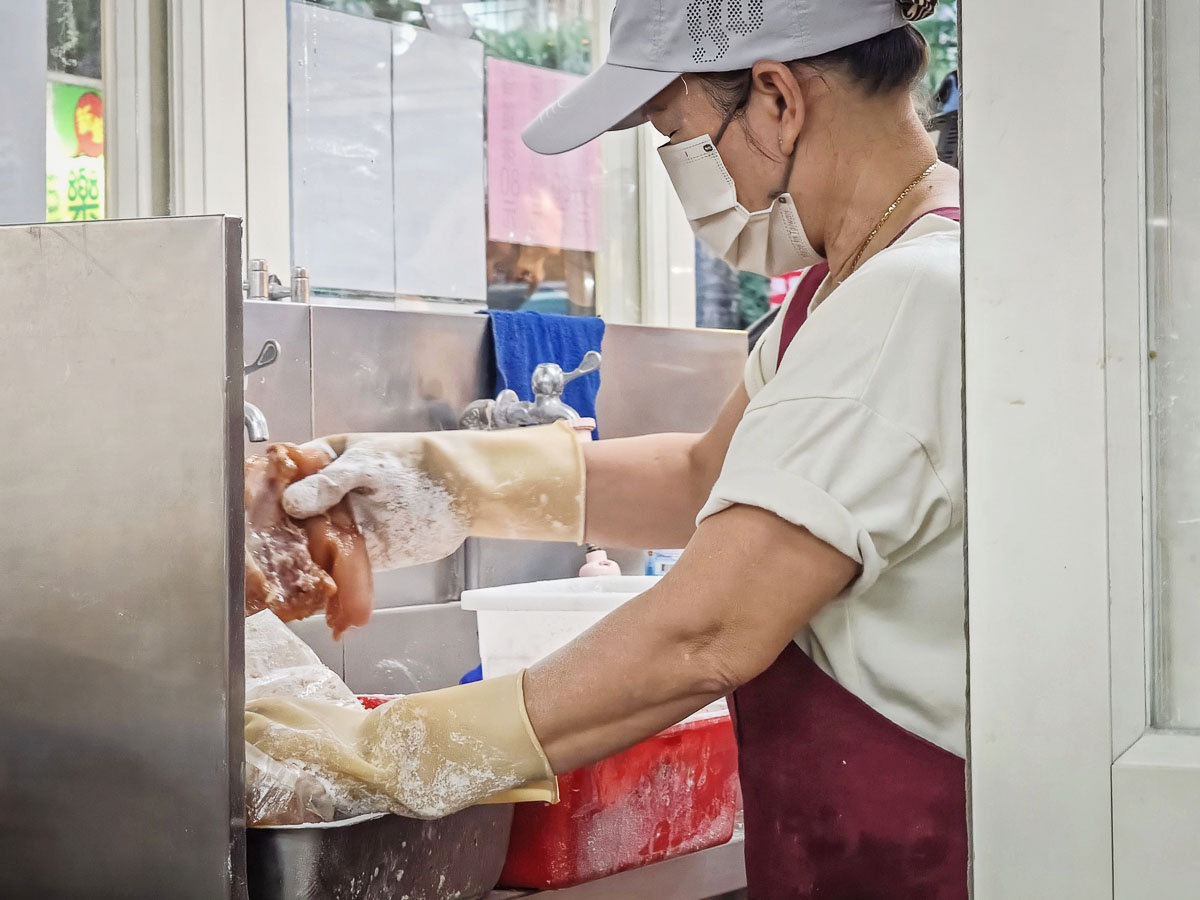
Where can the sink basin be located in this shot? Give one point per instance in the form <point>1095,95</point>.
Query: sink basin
<point>380,857</point>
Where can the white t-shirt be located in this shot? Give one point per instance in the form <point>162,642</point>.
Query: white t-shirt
<point>858,439</point>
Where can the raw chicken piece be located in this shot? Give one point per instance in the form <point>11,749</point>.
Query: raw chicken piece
<point>337,547</point>
<point>297,569</point>
<point>281,574</point>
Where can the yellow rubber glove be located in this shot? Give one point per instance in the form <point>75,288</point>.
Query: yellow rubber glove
<point>424,756</point>
<point>417,496</point>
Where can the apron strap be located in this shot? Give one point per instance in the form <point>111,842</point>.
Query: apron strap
<point>797,310</point>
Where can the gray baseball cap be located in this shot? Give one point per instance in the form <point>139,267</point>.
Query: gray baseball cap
<point>653,42</point>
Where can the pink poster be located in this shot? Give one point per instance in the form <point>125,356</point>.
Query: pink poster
<point>546,201</point>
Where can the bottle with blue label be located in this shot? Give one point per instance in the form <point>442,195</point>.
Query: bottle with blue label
<point>659,562</point>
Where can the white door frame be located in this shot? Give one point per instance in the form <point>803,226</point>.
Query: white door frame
<point>1156,773</point>
<point>1034,326</point>
<point>230,132</point>
<point>1073,794</point>
<point>129,120</point>
<point>208,128</point>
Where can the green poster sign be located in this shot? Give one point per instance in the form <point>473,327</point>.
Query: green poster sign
<point>74,152</point>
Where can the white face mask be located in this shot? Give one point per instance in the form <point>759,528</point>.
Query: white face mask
<point>770,242</point>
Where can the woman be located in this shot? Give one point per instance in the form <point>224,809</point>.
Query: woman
<point>822,583</point>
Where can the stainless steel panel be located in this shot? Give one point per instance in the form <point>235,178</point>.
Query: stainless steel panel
<point>283,390</point>
<point>419,648</point>
<point>381,857</point>
<point>431,583</point>
<point>632,562</point>
<point>382,370</point>
<point>314,632</point>
<point>121,548</point>
<point>491,563</point>
<point>666,379</point>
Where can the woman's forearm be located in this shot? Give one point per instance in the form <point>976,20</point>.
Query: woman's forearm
<point>642,491</point>
<point>619,683</point>
<point>647,491</point>
<point>748,582</point>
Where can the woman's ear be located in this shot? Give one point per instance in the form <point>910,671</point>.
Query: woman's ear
<point>776,91</point>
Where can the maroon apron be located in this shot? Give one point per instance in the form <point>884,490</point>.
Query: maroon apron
<point>840,802</point>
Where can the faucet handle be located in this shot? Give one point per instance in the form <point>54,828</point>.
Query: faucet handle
<point>256,422</point>
<point>590,363</point>
<point>268,355</point>
<point>549,380</point>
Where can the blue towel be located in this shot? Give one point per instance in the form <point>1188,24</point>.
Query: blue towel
<point>524,340</point>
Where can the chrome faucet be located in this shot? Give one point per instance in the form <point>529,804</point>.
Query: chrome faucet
<point>256,422</point>
<point>509,411</point>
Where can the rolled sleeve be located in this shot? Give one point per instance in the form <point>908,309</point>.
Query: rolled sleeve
<point>842,472</point>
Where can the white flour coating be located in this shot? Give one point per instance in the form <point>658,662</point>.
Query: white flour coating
<point>399,775</point>
<point>409,519</point>
<point>302,682</point>
<point>429,786</point>
<point>406,517</point>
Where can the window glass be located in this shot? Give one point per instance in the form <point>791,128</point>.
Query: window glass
<point>64,156</point>
<point>528,232</point>
<point>75,174</point>
<point>1173,181</point>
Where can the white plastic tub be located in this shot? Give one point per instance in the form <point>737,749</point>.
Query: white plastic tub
<point>522,623</point>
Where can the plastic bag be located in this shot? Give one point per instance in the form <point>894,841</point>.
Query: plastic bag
<point>279,664</point>
<point>280,795</point>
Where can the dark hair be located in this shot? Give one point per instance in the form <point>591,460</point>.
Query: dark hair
<point>881,65</point>
<point>893,61</point>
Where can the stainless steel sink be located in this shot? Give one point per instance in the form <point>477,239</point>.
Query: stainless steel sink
<point>380,857</point>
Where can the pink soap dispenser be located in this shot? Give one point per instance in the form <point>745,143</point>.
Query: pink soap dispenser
<point>598,564</point>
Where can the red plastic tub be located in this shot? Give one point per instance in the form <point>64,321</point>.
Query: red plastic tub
<point>673,794</point>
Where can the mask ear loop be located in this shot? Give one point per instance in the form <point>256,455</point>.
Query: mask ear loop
<point>742,101</point>
<point>787,175</point>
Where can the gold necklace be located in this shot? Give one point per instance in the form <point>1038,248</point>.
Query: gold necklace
<point>887,215</point>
